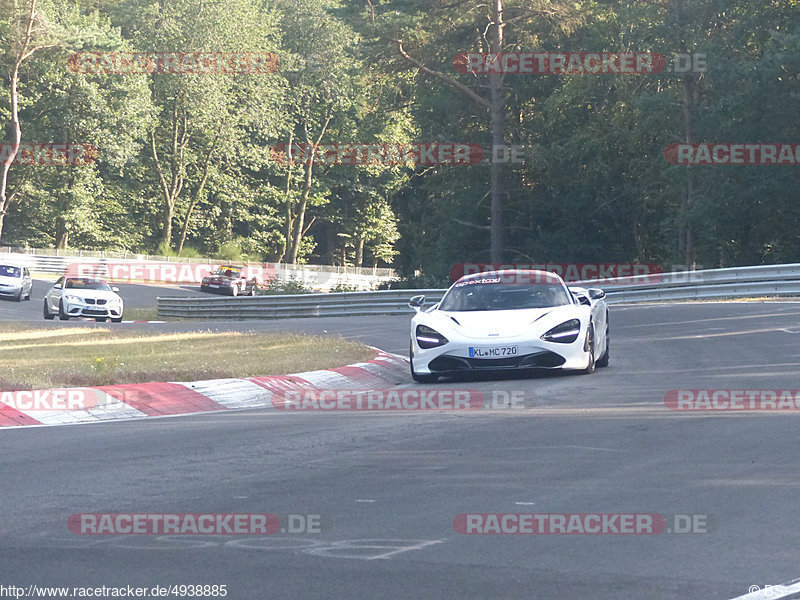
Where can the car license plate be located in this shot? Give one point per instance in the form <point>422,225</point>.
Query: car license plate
<point>493,351</point>
<point>214,285</point>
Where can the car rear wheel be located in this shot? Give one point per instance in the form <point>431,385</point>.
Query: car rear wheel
<point>234,290</point>
<point>254,290</point>
<point>46,312</point>
<point>590,346</point>
<point>603,360</point>
<point>61,313</point>
<point>416,376</point>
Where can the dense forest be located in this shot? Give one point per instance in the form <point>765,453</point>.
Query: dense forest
<point>195,161</point>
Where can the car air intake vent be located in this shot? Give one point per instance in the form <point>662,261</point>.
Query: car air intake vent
<point>89,300</point>
<point>101,301</point>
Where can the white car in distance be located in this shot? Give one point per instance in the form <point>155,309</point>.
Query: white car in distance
<point>15,281</point>
<point>83,297</point>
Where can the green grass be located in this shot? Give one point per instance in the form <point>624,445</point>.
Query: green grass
<point>32,358</point>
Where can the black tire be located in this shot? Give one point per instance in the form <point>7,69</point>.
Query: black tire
<point>603,360</point>
<point>18,297</point>
<point>61,314</point>
<point>100,319</point>
<point>28,297</point>
<point>416,376</point>
<point>117,320</point>
<point>590,343</point>
<point>254,289</point>
<point>46,312</point>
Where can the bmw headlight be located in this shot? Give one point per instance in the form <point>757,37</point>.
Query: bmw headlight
<point>429,338</point>
<point>566,333</point>
<point>71,298</point>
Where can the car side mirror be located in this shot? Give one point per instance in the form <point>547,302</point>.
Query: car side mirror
<point>115,290</point>
<point>57,286</point>
<point>416,302</point>
<point>596,294</point>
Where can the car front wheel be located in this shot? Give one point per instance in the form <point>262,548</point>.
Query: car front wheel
<point>61,312</point>
<point>416,376</point>
<point>46,312</point>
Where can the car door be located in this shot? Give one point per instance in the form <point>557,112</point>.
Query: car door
<point>599,317</point>
<point>27,285</point>
<point>53,296</point>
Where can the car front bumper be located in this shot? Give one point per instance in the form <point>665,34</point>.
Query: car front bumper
<point>81,309</point>
<point>455,356</point>
<point>9,290</point>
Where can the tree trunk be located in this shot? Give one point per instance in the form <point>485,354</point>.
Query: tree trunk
<point>299,220</point>
<point>15,126</point>
<point>171,190</point>
<point>288,217</point>
<point>686,237</point>
<point>687,201</point>
<point>300,216</point>
<point>359,251</point>
<point>196,196</point>
<point>497,111</point>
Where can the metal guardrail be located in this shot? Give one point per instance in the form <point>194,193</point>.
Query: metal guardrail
<point>312,276</point>
<point>739,282</point>
<point>772,280</point>
<point>53,260</point>
<point>390,302</point>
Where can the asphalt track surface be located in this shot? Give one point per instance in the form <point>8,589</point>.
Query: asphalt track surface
<point>133,296</point>
<point>388,486</point>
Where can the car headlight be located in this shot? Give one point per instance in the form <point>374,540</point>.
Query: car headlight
<point>429,338</point>
<point>71,298</point>
<point>566,333</point>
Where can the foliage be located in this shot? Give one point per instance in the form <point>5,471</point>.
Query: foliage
<point>186,163</point>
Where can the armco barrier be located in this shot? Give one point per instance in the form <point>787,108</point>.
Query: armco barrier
<point>391,302</point>
<point>322,277</point>
<point>742,282</point>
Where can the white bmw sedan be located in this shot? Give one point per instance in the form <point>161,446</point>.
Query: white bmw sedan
<point>511,319</point>
<point>83,297</point>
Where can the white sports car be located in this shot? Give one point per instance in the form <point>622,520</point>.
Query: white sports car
<point>511,319</point>
<point>83,297</point>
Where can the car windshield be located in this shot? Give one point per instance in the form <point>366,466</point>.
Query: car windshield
<point>227,272</point>
<point>503,296</point>
<point>9,271</point>
<point>87,284</point>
